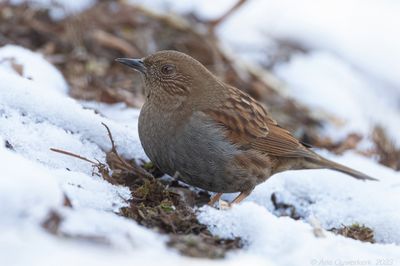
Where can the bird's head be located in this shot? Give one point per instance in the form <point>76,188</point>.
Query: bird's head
<point>171,74</point>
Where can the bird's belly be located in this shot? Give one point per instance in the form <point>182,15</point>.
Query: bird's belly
<point>211,169</point>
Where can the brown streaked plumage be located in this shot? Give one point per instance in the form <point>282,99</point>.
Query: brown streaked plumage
<point>215,136</point>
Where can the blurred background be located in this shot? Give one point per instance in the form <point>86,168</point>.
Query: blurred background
<point>326,70</point>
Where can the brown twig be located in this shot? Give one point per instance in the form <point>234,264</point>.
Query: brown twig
<point>114,150</point>
<point>110,137</point>
<point>102,169</point>
<point>214,23</point>
<point>113,42</point>
<point>73,155</point>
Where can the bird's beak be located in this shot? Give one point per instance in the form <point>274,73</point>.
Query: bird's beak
<point>136,64</point>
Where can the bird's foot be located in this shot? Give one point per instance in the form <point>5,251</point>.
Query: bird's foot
<point>214,199</point>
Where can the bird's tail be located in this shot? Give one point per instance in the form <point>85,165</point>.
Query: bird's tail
<point>328,164</point>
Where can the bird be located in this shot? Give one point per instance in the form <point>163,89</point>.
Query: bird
<point>212,135</point>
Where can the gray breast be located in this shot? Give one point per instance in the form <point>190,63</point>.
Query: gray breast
<point>198,150</point>
<point>154,133</point>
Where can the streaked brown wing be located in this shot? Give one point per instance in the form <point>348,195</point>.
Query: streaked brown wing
<point>248,125</point>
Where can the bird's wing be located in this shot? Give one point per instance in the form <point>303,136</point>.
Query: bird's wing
<point>248,125</point>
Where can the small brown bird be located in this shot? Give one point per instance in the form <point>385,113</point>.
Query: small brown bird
<point>213,135</point>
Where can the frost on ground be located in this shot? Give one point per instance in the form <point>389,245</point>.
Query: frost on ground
<point>36,185</point>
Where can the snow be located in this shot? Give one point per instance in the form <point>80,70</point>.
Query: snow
<point>26,104</point>
<point>333,199</point>
<point>291,242</point>
<point>32,195</point>
<point>46,75</point>
<point>364,33</point>
<point>327,195</point>
<point>340,91</point>
<point>117,111</point>
<point>33,124</point>
<point>349,72</point>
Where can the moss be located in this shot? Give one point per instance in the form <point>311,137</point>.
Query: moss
<point>148,166</point>
<point>167,206</point>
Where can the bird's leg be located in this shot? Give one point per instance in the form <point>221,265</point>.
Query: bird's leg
<point>215,198</point>
<point>241,196</point>
<point>174,178</point>
<point>176,175</point>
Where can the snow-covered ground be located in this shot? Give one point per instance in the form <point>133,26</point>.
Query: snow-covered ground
<point>350,72</point>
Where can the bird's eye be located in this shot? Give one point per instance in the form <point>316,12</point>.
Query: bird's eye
<point>168,69</point>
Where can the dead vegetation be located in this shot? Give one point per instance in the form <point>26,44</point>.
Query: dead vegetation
<point>357,232</point>
<point>164,205</point>
<point>387,152</point>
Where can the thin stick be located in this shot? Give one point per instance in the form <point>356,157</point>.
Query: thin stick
<point>73,155</point>
<point>113,149</point>
<point>110,137</point>
<point>218,21</point>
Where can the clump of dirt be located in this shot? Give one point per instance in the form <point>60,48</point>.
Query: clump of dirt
<point>52,224</point>
<point>357,232</point>
<point>284,209</point>
<point>8,145</point>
